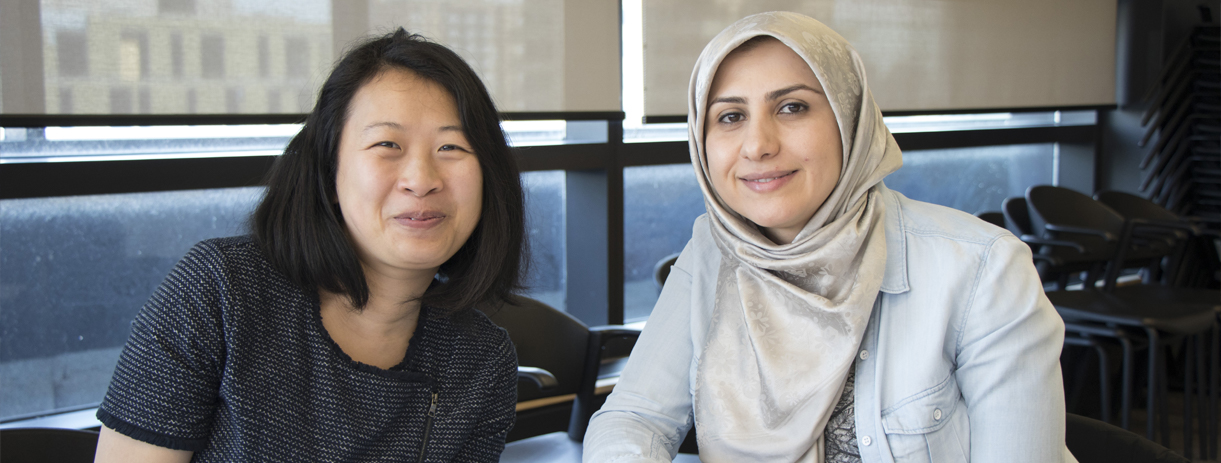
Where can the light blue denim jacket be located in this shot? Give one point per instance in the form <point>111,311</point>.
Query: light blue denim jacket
<point>960,360</point>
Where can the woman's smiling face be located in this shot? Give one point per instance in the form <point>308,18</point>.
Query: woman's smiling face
<point>408,183</point>
<point>772,141</point>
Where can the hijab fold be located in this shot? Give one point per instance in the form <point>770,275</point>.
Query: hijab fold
<point>787,319</point>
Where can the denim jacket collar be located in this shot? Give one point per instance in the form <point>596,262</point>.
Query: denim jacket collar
<point>895,279</point>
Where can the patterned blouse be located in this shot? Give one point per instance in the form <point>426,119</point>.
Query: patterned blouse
<point>840,434</point>
<point>230,360</point>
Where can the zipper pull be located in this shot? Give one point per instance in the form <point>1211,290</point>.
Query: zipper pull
<point>432,409</point>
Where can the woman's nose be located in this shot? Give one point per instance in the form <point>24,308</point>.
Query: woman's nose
<point>419,175</point>
<point>761,140</point>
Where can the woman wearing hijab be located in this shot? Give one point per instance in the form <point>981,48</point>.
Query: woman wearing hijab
<point>816,315</point>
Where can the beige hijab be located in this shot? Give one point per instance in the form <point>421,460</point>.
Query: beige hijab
<point>788,318</point>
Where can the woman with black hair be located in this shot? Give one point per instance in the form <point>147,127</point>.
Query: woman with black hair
<point>345,328</point>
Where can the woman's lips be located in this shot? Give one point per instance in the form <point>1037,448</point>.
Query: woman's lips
<point>767,181</point>
<point>420,219</point>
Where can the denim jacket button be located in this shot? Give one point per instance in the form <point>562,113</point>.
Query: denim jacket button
<point>864,355</point>
<point>866,441</point>
<point>937,414</point>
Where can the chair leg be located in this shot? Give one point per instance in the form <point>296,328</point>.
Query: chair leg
<point>1163,390</point>
<point>1104,381</point>
<point>1188,360</point>
<point>1125,408</point>
<point>1214,389</point>
<point>1151,401</point>
<point>1206,424</point>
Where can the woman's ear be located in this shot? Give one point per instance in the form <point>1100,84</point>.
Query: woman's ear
<point>335,208</point>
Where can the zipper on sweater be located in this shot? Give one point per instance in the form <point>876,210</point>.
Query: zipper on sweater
<point>432,411</point>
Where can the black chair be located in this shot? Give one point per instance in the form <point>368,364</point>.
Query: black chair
<point>992,217</point>
<point>552,419</point>
<point>1093,441</point>
<point>1056,260</point>
<point>1181,230</point>
<point>661,270</point>
<point>1062,214</point>
<point>38,445</point>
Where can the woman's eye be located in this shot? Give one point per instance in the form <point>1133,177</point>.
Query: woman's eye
<point>793,108</point>
<point>730,118</point>
<point>388,144</point>
<point>452,148</point>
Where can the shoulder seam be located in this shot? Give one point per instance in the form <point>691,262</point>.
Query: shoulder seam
<point>970,305</point>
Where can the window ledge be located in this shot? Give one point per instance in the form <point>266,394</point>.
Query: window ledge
<point>80,419</point>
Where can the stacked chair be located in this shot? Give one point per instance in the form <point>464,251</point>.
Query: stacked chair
<point>1073,234</point>
<point>1183,169</point>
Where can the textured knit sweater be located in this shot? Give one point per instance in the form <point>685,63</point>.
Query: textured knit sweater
<point>230,360</point>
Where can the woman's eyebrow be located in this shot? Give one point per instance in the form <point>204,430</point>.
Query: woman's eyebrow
<point>771,96</point>
<point>397,126</point>
<point>392,125</point>
<point>776,94</point>
<point>727,99</point>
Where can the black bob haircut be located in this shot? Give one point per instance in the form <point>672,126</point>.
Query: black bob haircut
<point>301,231</point>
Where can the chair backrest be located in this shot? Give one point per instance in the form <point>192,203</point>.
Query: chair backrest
<point>544,338</point>
<point>992,217</point>
<point>1134,207</point>
<point>36,445</point>
<point>1058,213</point>
<point>1017,216</point>
<point>1063,214</point>
<point>1165,232</point>
<point>1062,206</point>
<point>661,270</point>
<point>1093,441</point>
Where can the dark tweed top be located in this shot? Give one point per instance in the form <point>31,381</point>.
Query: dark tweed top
<point>230,360</point>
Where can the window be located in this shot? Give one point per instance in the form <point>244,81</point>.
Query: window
<point>233,99</point>
<point>72,52</point>
<point>176,55</point>
<point>545,235</point>
<point>264,57</point>
<point>660,203</point>
<point>121,100</point>
<point>65,100</point>
<point>296,58</point>
<point>76,270</point>
<point>133,56</point>
<point>273,101</point>
<point>212,56</point>
<point>974,179</point>
<point>524,51</point>
<point>176,6</point>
